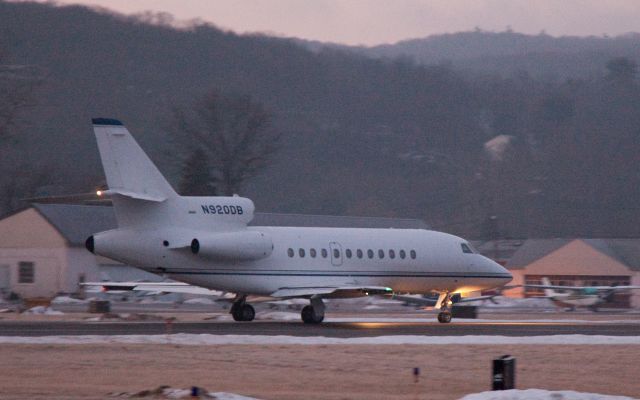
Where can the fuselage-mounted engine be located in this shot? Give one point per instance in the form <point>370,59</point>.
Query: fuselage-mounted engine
<point>241,245</point>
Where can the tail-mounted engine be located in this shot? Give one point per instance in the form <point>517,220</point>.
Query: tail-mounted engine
<point>240,245</point>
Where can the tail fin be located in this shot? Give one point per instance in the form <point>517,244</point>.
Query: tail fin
<point>548,292</point>
<point>128,170</point>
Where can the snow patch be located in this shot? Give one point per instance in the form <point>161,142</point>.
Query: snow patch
<point>539,394</point>
<point>166,392</point>
<point>510,302</point>
<point>199,300</point>
<point>67,300</point>
<point>42,310</point>
<point>209,339</point>
<point>278,316</point>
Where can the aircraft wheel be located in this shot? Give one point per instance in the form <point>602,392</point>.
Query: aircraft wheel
<point>244,313</point>
<point>310,316</point>
<point>444,317</point>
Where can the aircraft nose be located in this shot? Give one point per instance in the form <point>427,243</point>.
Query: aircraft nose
<point>501,272</point>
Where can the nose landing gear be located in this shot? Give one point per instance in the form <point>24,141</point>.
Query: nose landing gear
<point>444,304</point>
<point>444,317</point>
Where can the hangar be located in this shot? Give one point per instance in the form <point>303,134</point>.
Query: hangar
<point>42,251</point>
<point>572,262</point>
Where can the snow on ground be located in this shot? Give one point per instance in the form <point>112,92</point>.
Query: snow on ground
<point>539,394</point>
<point>165,392</point>
<point>509,302</point>
<point>150,300</point>
<point>229,396</point>
<point>209,339</point>
<point>199,300</point>
<point>527,394</point>
<point>278,316</point>
<point>427,317</point>
<point>67,300</point>
<point>42,310</point>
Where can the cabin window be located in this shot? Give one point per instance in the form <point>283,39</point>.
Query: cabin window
<point>301,253</point>
<point>336,253</point>
<point>348,253</point>
<point>412,253</point>
<point>324,253</point>
<point>290,252</point>
<point>359,253</point>
<point>403,254</point>
<point>381,254</point>
<point>313,253</point>
<point>26,272</point>
<point>370,253</point>
<point>466,248</point>
<point>392,254</point>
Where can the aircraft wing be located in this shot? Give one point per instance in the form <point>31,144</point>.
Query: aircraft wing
<point>432,301</point>
<point>329,291</point>
<point>163,287</point>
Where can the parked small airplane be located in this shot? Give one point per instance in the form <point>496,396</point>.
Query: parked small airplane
<point>579,296</point>
<point>205,241</point>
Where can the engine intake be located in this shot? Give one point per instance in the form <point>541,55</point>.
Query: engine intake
<point>90,244</point>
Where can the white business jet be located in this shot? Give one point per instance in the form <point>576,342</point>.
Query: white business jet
<point>205,241</point>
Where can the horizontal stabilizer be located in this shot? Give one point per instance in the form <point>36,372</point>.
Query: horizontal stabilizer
<point>134,195</point>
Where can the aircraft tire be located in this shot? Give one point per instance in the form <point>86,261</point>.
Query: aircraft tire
<point>444,317</point>
<point>310,316</point>
<point>244,313</point>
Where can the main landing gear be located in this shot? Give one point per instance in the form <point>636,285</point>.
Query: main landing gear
<point>314,312</point>
<point>241,310</point>
<point>445,303</point>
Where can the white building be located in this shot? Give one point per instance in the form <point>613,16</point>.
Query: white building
<point>42,249</point>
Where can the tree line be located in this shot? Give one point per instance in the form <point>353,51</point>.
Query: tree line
<point>329,131</point>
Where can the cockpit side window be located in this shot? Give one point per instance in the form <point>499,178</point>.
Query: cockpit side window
<point>466,248</point>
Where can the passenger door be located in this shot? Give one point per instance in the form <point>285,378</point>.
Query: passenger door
<point>336,253</point>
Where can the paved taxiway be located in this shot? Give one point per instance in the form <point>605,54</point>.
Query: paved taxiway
<point>328,329</point>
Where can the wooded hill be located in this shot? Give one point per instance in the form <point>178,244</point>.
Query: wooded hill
<point>360,136</point>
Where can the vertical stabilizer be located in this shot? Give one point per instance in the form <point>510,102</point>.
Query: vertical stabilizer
<point>548,292</point>
<point>128,170</point>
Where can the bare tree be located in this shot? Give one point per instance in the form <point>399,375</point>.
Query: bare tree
<point>196,178</point>
<point>17,180</point>
<point>235,133</point>
<point>16,87</point>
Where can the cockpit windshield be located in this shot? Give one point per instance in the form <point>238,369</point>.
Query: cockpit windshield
<point>466,248</point>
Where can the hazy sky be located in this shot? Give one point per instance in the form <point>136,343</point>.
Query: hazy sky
<point>387,21</point>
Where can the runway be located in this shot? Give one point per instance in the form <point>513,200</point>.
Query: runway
<point>328,329</point>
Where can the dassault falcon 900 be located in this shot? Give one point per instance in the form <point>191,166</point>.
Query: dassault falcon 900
<point>205,241</point>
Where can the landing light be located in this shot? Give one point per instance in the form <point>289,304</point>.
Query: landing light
<point>99,193</point>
